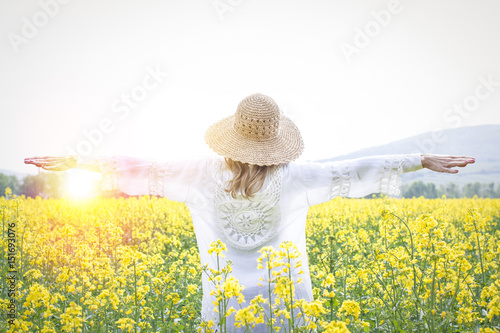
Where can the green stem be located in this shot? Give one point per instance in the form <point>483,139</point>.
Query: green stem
<point>330,288</point>
<point>291,287</point>
<point>417,301</point>
<point>269,292</point>
<point>3,223</point>
<point>218,304</point>
<point>161,306</point>
<point>480,254</point>
<point>135,293</point>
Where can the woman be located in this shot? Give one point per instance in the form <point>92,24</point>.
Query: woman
<point>254,195</point>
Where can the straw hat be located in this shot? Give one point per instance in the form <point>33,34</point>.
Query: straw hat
<point>258,133</point>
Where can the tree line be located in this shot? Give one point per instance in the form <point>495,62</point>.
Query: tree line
<point>451,190</point>
<point>51,185</point>
<point>45,185</point>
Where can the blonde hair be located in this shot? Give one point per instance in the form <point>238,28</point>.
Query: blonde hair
<point>246,179</point>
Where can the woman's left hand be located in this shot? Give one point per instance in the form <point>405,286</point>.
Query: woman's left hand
<point>445,163</point>
<point>54,163</point>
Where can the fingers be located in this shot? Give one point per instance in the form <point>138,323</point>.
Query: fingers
<point>460,164</point>
<point>458,161</point>
<point>445,163</point>
<point>468,160</point>
<point>463,164</point>
<point>47,159</point>
<point>50,160</point>
<point>34,160</point>
<point>54,163</point>
<point>30,160</point>
<point>447,168</point>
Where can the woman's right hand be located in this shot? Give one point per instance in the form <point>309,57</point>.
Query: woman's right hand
<point>445,163</point>
<point>54,163</point>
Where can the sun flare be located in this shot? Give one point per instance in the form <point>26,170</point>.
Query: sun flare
<point>81,184</point>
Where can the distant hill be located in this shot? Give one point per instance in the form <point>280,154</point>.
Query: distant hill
<point>481,142</point>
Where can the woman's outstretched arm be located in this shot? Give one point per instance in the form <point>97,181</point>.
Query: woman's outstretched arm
<point>373,174</point>
<point>171,179</point>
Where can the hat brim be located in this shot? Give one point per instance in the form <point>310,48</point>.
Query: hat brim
<point>226,141</point>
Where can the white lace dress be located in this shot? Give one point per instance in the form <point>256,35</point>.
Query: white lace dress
<point>276,214</point>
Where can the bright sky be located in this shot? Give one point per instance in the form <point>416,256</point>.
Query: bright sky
<point>146,78</point>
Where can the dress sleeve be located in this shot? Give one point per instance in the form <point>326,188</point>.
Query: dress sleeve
<point>137,176</point>
<point>357,177</point>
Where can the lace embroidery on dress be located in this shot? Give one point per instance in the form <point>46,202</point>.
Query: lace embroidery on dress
<point>341,178</point>
<point>157,172</point>
<point>108,166</point>
<point>391,180</point>
<point>247,224</point>
<point>109,180</point>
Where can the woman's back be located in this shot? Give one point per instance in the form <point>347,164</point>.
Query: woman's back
<point>276,213</point>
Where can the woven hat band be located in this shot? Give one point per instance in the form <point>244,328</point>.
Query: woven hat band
<point>257,128</point>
